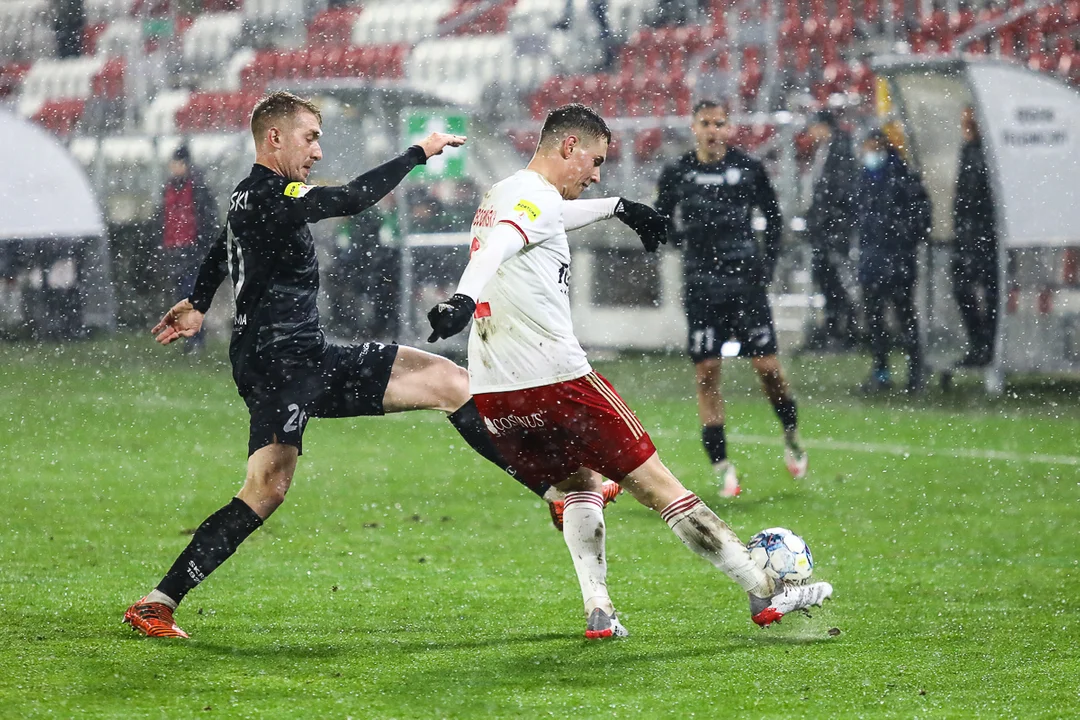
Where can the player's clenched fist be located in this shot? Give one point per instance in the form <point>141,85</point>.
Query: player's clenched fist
<point>450,317</point>
<point>434,143</point>
<point>650,226</point>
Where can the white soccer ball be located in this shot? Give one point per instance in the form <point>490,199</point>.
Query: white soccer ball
<point>782,554</point>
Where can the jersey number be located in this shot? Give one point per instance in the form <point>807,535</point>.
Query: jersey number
<point>297,418</point>
<point>702,341</point>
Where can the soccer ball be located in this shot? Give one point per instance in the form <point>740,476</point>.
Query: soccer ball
<point>782,554</point>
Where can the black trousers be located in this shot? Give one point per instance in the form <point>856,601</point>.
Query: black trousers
<point>975,287</point>
<point>876,297</point>
<point>824,271</point>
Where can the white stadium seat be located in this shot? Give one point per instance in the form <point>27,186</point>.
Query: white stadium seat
<point>210,38</point>
<point>160,115</point>
<point>384,23</point>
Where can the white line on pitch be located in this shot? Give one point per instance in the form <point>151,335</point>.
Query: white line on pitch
<point>905,450</point>
<point>901,450</point>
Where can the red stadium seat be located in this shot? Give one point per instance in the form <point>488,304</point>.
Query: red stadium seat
<point>109,82</point>
<point>332,26</point>
<point>91,33</point>
<point>60,116</point>
<point>647,144</point>
<point>11,76</point>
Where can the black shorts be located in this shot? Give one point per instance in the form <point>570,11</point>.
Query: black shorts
<point>744,317</point>
<point>346,381</point>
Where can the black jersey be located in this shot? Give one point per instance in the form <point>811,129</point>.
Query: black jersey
<point>267,250</point>
<point>711,205</point>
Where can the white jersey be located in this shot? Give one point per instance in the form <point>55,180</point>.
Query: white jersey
<point>522,335</point>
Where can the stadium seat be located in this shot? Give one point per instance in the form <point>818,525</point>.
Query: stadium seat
<point>333,26</point>
<point>11,76</point>
<point>109,82</point>
<point>60,116</point>
<point>210,39</point>
<point>648,143</point>
<point>159,118</point>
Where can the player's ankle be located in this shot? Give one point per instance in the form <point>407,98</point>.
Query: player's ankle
<point>599,601</point>
<point>156,596</point>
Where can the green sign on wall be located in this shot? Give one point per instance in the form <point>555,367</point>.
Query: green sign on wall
<point>451,163</point>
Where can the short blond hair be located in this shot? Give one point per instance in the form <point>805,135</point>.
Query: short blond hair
<point>278,106</point>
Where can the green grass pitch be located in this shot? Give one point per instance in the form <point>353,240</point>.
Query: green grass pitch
<point>404,578</point>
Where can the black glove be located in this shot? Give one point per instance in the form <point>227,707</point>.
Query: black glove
<point>650,226</point>
<point>449,318</point>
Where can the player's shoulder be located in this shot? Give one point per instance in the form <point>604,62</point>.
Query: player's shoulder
<point>526,192</point>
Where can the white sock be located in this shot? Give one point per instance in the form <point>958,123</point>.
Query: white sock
<point>584,532</point>
<point>156,596</point>
<point>703,532</point>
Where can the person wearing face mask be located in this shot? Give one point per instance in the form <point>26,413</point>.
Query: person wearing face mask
<point>893,217</point>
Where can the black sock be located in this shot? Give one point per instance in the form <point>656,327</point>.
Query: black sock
<point>715,443</point>
<point>467,421</point>
<point>787,412</point>
<point>212,544</point>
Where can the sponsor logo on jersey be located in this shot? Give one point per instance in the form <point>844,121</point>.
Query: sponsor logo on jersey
<point>731,176</point>
<point>484,217</point>
<point>509,422</point>
<point>524,206</point>
<point>297,190</point>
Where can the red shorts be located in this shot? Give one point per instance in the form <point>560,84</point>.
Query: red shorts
<point>549,432</point>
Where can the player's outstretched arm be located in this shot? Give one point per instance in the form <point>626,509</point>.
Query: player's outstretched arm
<point>306,203</point>
<point>650,226</point>
<point>182,320</point>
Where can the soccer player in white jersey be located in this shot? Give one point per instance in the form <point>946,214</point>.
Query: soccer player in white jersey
<point>549,413</point>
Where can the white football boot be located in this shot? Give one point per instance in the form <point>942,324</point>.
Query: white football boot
<point>795,456</point>
<point>788,598</point>
<point>601,625</point>
<point>728,480</point>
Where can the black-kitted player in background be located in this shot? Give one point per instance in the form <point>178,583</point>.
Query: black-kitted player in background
<point>283,366</point>
<point>710,194</point>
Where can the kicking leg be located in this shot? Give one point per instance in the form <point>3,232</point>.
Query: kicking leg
<point>269,475</point>
<point>653,485</point>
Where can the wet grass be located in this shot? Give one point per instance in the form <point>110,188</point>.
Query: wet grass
<point>404,578</point>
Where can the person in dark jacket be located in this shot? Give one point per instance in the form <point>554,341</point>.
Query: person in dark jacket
<point>893,218</point>
<point>829,226</point>
<point>711,194</point>
<point>189,224</point>
<point>975,256</point>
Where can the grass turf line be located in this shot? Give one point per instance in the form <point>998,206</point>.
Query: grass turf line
<point>405,578</point>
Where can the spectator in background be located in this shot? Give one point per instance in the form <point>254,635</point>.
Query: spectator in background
<point>189,225</point>
<point>829,225</point>
<point>975,256</point>
<point>893,218</point>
